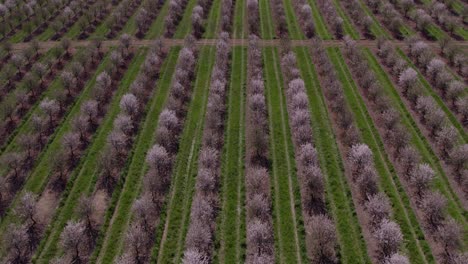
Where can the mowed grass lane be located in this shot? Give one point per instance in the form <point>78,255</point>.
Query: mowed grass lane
<point>267,25</point>
<point>295,31</point>
<point>88,173</point>
<point>231,231</point>
<point>319,22</point>
<point>348,25</point>
<point>185,25</point>
<point>351,248</point>
<point>376,28</point>
<point>156,28</point>
<point>415,246</point>
<point>239,27</point>
<point>455,209</point>
<point>170,233</point>
<point>129,27</point>
<point>287,218</point>
<point>118,215</point>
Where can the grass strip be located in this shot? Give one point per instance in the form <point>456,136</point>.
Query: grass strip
<point>231,228</point>
<point>185,24</point>
<point>376,29</point>
<point>287,217</point>
<point>348,26</point>
<point>294,29</point>
<point>352,248</point>
<point>319,22</point>
<point>157,27</point>
<point>239,20</point>
<point>212,22</point>
<point>267,26</point>
<point>175,218</point>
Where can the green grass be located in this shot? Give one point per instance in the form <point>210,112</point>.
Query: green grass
<point>103,29</point>
<point>116,220</point>
<point>211,23</point>
<point>348,26</point>
<point>185,25</point>
<point>376,29</point>
<point>231,225</point>
<point>319,22</point>
<point>170,237</point>
<point>428,90</point>
<point>440,182</point>
<point>418,250</point>
<point>239,20</point>
<point>84,175</point>
<point>288,223</point>
<point>267,26</point>
<point>352,248</point>
<point>436,32</point>
<point>295,31</point>
<point>157,27</point>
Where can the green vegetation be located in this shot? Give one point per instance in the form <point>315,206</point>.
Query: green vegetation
<point>231,225</point>
<point>287,218</point>
<point>348,26</point>
<point>319,22</point>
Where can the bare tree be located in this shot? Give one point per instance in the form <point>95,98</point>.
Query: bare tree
<point>446,139</point>
<point>388,237</point>
<point>193,256</point>
<point>449,234</point>
<point>397,259</point>
<point>379,208</point>
<point>73,240</point>
<point>85,211</point>
<point>71,142</point>
<point>129,104</point>
<point>16,243</point>
<point>360,156</point>
<point>137,240</point>
<point>433,206</point>
<point>259,237</point>
<point>421,178</point>
<point>51,108</point>
<point>321,235</point>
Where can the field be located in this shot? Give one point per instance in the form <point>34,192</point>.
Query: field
<point>233,131</point>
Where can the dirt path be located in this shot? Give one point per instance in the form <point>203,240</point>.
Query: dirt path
<point>45,45</point>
